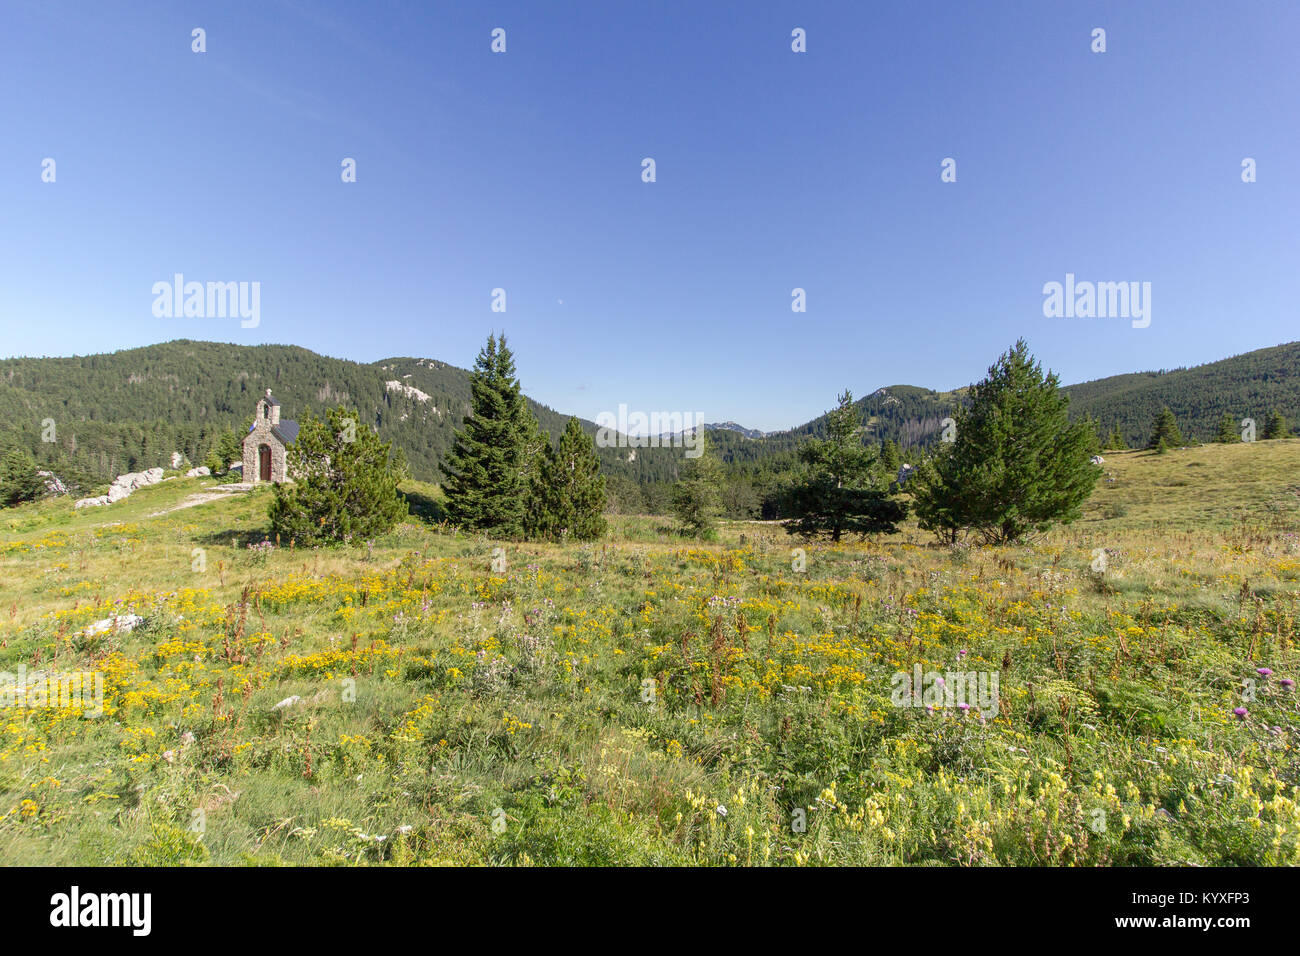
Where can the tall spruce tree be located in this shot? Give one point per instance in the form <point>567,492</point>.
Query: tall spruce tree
<point>568,490</point>
<point>486,490</point>
<point>1226,433</point>
<point>697,496</point>
<point>1018,463</point>
<point>1275,425</point>
<point>841,487</point>
<point>1116,440</point>
<point>227,449</point>
<point>1165,430</point>
<point>19,482</point>
<point>344,483</point>
<point>890,459</point>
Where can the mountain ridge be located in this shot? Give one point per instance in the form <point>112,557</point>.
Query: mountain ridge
<point>129,409</point>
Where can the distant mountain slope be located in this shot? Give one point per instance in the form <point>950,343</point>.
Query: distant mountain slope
<point>733,427</point>
<point>1243,386</point>
<point>903,413</point>
<point>129,410</point>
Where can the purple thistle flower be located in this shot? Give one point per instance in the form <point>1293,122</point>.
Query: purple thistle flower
<point>1240,712</point>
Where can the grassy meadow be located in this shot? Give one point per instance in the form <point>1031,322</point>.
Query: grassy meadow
<point>648,699</point>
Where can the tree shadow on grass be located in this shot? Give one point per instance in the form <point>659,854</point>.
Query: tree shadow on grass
<point>424,506</point>
<point>235,537</point>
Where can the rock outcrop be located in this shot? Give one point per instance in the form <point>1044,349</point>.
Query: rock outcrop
<point>53,485</point>
<point>122,487</point>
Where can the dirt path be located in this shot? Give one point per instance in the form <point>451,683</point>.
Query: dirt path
<point>191,501</point>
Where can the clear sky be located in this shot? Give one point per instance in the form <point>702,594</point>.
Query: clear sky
<point>775,170</point>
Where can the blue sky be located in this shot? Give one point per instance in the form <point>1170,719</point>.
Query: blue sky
<point>775,170</point>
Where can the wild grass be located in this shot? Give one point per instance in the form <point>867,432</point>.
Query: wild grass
<point>651,700</point>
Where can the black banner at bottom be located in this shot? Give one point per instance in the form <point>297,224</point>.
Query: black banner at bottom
<point>274,906</point>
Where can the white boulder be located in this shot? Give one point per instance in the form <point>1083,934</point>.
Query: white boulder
<point>53,485</point>
<point>121,624</point>
<point>122,486</point>
<point>198,472</point>
<point>1097,460</point>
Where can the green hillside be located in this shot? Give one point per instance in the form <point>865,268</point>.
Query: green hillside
<point>129,410</point>
<point>1244,386</point>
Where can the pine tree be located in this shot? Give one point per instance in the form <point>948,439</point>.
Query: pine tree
<point>485,490</point>
<point>697,496</point>
<point>1018,463</point>
<point>1094,427</point>
<point>1116,440</point>
<point>344,484</point>
<point>568,490</point>
<point>1165,429</point>
<point>533,446</point>
<point>841,485</point>
<point>226,450</point>
<point>19,482</point>
<point>1227,430</point>
<point>890,460</point>
<point>1275,425</point>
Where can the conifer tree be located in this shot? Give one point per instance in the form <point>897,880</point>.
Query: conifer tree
<point>19,482</point>
<point>1116,440</point>
<point>1018,463</point>
<point>697,496</point>
<point>1165,429</point>
<point>533,445</point>
<point>841,486</point>
<point>568,490</point>
<point>1227,430</point>
<point>485,490</point>
<point>344,484</point>
<point>890,459</point>
<point>227,449</point>
<point>1275,425</point>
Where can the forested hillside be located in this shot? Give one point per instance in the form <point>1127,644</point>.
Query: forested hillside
<point>129,410</point>
<point>1244,386</point>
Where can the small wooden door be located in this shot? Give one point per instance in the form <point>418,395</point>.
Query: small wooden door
<point>264,462</point>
